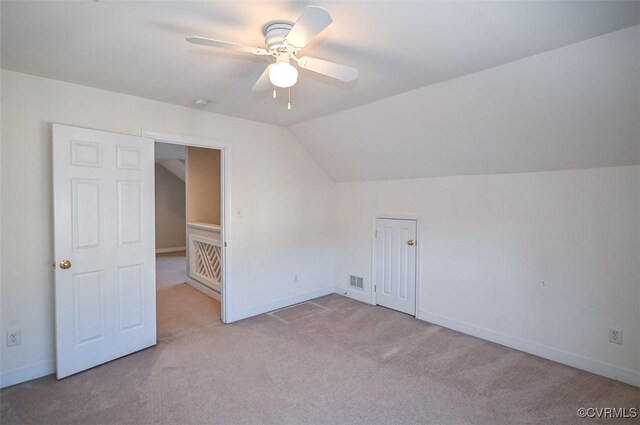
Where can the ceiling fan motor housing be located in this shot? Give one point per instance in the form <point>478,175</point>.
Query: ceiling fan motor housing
<point>283,40</point>
<point>275,33</point>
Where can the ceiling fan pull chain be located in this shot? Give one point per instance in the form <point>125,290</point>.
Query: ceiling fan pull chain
<point>289,104</point>
<point>274,92</point>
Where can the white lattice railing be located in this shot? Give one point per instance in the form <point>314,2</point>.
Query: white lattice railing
<point>205,255</point>
<point>208,262</point>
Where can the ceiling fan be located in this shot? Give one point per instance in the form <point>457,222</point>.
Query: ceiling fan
<point>283,41</point>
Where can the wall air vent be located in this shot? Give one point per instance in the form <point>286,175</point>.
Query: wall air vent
<point>356,282</point>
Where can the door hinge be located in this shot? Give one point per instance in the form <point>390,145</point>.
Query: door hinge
<point>376,235</point>
<point>375,288</point>
<point>225,244</point>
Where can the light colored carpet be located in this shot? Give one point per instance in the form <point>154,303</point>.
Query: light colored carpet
<point>343,363</point>
<point>171,268</point>
<point>297,312</point>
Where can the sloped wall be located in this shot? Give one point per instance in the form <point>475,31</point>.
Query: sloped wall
<point>569,108</point>
<point>170,210</point>
<point>488,241</point>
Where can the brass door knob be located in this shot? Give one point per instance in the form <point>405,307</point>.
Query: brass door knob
<point>411,242</point>
<point>65,264</point>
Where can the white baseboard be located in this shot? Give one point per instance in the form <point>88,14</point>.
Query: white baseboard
<point>202,288</point>
<point>174,249</point>
<point>355,294</point>
<point>286,302</point>
<point>27,373</point>
<point>574,360</point>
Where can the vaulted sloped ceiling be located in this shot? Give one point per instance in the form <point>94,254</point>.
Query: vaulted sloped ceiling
<point>138,47</point>
<point>574,107</point>
<point>445,87</point>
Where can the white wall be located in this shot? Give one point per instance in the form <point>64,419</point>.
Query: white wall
<point>283,193</point>
<point>488,242</point>
<point>171,218</point>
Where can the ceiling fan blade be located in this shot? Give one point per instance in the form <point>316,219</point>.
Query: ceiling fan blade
<point>263,82</point>
<point>334,70</point>
<point>227,45</point>
<point>313,20</point>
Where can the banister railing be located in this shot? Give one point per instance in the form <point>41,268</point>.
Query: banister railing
<point>205,254</point>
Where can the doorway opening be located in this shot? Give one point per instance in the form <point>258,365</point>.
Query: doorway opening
<point>192,227</point>
<point>188,205</point>
<point>104,215</point>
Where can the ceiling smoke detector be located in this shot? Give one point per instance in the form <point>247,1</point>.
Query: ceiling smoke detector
<point>201,102</point>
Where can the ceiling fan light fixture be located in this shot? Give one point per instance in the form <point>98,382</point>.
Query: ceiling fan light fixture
<point>283,74</point>
<point>283,41</point>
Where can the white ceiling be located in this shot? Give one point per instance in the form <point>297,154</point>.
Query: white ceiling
<point>138,47</point>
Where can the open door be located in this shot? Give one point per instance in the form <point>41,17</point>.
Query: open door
<point>104,246</point>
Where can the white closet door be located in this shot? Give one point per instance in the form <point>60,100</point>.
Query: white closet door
<point>396,264</point>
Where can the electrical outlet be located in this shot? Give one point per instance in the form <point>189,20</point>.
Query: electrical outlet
<point>615,336</point>
<point>14,338</point>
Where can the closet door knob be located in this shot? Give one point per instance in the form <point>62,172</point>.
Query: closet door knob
<point>65,264</point>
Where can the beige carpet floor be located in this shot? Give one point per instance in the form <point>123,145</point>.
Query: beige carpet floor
<point>171,268</point>
<point>335,361</point>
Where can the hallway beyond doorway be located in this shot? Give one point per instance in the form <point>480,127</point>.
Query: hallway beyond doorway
<point>181,309</point>
<point>171,269</point>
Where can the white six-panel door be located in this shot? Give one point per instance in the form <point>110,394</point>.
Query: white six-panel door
<point>395,264</point>
<point>104,228</point>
